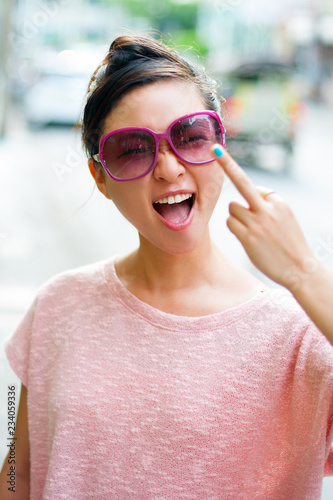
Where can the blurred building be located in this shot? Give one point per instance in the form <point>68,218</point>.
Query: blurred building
<point>227,33</point>
<point>298,31</point>
<point>230,31</point>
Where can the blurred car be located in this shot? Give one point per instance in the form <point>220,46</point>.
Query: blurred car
<point>261,114</point>
<point>57,94</point>
<point>55,98</point>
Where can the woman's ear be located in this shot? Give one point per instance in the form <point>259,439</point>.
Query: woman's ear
<point>99,175</point>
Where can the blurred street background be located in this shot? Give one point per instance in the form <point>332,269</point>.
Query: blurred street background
<point>274,65</point>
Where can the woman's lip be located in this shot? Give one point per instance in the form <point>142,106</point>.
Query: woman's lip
<point>178,226</point>
<point>173,193</point>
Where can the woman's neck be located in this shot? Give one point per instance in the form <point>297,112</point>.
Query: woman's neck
<point>198,283</point>
<point>158,270</point>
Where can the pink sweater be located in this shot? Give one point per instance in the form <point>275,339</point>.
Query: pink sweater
<point>128,402</point>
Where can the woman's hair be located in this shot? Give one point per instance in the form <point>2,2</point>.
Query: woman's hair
<point>133,61</point>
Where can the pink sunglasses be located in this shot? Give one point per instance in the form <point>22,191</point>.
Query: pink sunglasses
<point>130,153</point>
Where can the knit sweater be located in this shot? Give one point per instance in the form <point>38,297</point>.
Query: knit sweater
<point>128,402</point>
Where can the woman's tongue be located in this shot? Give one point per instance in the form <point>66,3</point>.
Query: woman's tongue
<point>175,212</point>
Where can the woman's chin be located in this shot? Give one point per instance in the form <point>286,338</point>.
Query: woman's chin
<point>181,245</point>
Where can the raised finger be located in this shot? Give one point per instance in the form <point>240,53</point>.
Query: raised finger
<point>237,175</point>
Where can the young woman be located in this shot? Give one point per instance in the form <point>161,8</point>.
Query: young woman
<point>171,372</point>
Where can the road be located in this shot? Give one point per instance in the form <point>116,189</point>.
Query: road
<point>52,219</point>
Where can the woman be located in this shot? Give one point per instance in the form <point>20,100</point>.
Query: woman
<point>172,372</point>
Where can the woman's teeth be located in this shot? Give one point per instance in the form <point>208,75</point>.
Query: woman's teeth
<point>175,199</point>
<point>175,209</point>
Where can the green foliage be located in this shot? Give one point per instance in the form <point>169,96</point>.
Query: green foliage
<point>174,20</point>
<point>170,15</point>
<point>183,39</point>
<point>184,13</point>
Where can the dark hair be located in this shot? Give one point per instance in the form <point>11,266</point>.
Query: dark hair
<point>133,61</point>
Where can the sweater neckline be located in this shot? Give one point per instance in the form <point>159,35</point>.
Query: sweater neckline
<point>170,321</point>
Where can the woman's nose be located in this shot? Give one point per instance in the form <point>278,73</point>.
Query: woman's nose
<point>168,166</point>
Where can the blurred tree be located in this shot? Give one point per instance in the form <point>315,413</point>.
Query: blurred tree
<point>171,18</point>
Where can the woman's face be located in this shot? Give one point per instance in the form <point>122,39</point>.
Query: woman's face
<point>174,228</point>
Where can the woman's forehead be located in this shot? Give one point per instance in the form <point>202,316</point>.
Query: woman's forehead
<point>154,106</point>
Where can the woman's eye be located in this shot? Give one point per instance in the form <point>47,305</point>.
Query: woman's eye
<point>195,138</point>
<point>135,151</point>
<point>190,139</point>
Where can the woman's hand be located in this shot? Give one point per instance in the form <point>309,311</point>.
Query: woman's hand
<point>267,229</point>
<point>276,245</point>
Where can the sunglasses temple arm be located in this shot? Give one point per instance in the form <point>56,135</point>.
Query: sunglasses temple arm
<point>96,158</point>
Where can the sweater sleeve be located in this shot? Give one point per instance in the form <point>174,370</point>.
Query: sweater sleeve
<point>17,347</point>
<point>39,330</point>
<point>317,364</point>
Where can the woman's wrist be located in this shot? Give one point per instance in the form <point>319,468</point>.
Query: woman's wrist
<point>314,293</point>
<point>299,272</point>
<point>308,278</point>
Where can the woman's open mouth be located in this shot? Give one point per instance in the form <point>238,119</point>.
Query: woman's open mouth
<point>175,210</point>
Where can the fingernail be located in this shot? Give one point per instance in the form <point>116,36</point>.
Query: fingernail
<point>218,150</point>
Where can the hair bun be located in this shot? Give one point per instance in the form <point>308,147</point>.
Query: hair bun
<point>124,50</point>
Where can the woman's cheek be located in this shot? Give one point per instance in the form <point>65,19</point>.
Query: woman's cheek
<point>133,207</point>
<point>211,186</point>
<point>127,207</point>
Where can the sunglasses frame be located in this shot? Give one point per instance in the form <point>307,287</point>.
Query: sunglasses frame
<point>157,137</point>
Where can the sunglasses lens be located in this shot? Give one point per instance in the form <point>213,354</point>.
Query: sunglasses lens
<point>193,137</point>
<point>129,154</point>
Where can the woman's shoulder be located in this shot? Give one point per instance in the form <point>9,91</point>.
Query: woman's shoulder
<point>82,279</point>
<point>284,316</point>
<point>281,307</point>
